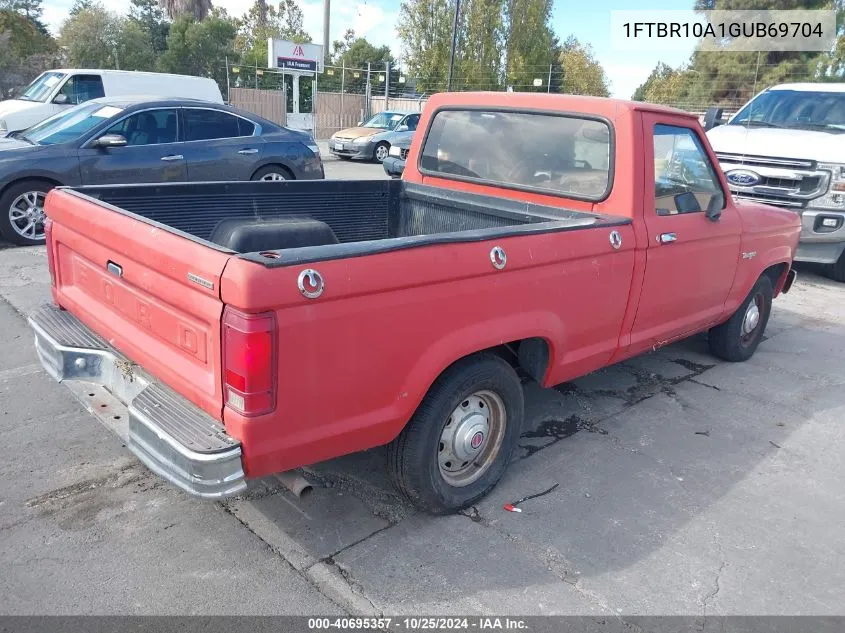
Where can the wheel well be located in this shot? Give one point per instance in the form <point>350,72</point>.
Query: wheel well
<point>531,355</point>
<point>776,274</point>
<point>284,168</point>
<point>51,181</point>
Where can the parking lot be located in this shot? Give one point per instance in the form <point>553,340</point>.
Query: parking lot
<point>687,486</point>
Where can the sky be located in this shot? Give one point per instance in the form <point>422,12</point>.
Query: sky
<point>588,20</point>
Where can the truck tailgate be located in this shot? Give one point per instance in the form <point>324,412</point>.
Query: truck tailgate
<point>151,293</point>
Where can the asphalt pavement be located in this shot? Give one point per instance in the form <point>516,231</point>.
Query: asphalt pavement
<point>687,486</point>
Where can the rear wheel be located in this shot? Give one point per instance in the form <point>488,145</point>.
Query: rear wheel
<point>458,444</point>
<point>737,338</point>
<point>381,152</point>
<point>272,173</point>
<point>22,212</point>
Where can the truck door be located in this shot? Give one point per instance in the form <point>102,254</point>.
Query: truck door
<point>691,255</point>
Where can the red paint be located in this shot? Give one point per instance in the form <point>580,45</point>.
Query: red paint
<point>351,367</point>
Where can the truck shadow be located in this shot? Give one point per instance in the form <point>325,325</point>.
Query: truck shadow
<point>641,451</point>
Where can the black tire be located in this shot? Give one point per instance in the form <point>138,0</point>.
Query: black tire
<point>729,341</point>
<point>837,271</point>
<point>380,152</point>
<point>413,458</point>
<point>12,196</point>
<point>283,173</point>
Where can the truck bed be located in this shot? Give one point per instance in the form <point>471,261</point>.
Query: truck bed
<point>364,217</point>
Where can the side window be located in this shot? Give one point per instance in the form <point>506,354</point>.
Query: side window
<point>412,122</point>
<point>204,125</point>
<point>246,128</point>
<point>151,127</point>
<point>82,88</point>
<point>684,178</point>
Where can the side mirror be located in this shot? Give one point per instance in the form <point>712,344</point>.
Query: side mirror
<point>714,207</point>
<point>401,128</point>
<point>712,118</point>
<point>109,140</point>
<point>61,99</point>
<point>687,202</point>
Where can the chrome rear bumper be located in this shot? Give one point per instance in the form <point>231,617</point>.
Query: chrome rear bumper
<point>174,438</point>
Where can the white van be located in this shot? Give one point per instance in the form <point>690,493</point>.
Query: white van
<point>56,90</point>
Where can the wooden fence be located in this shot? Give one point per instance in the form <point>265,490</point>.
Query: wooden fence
<point>377,104</point>
<point>269,104</point>
<point>336,111</point>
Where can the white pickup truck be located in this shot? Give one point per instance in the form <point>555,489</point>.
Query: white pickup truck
<point>786,147</point>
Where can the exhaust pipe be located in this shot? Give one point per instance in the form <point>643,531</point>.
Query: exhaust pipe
<point>294,482</point>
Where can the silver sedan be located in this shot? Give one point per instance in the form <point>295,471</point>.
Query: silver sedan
<point>372,140</point>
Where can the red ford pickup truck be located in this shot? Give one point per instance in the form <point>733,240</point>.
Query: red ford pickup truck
<point>253,328</point>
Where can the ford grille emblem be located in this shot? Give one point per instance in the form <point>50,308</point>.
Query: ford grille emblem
<point>743,178</point>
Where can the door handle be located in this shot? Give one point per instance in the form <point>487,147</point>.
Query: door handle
<point>250,150</point>
<point>667,238</point>
<point>172,157</point>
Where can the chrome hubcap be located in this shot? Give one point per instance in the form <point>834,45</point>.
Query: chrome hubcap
<point>471,438</point>
<point>26,215</point>
<point>273,176</point>
<point>752,318</point>
<point>381,152</point>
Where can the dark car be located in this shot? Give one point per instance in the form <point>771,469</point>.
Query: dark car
<point>394,164</point>
<point>119,141</point>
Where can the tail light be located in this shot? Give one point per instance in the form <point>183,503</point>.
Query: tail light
<point>249,361</point>
<point>48,237</point>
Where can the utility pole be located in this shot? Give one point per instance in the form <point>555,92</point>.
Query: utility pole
<point>386,84</point>
<point>454,42</point>
<point>326,43</point>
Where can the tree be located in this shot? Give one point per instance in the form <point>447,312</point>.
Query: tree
<point>339,47</point>
<point>24,38</point>
<point>425,30</point>
<point>283,21</point>
<point>134,49</point>
<point>355,53</point>
<point>80,5</point>
<point>25,52</point>
<point>664,85</point>
<point>197,9</point>
<point>30,9</point>
<point>731,78</point>
<point>529,42</point>
<point>481,41</point>
<point>582,73</point>
<point>149,17</point>
<point>90,38</point>
<point>198,47</point>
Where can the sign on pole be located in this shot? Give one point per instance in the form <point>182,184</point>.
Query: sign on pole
<point>292,56</point>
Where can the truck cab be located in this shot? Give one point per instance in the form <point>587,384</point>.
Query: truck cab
<point>785,148</point>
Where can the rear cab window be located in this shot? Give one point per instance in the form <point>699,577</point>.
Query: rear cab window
<point>560,154</point>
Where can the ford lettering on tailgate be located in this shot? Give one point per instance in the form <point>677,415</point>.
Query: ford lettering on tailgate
<point>158,318</point>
